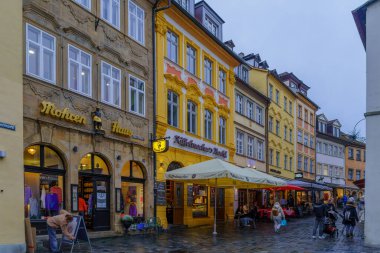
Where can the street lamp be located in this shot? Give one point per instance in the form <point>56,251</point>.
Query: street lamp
<point>355,134</point>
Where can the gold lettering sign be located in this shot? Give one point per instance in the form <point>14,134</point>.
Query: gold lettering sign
<point>50,109</point>
<point>116,129</point>
<point>160,146</point>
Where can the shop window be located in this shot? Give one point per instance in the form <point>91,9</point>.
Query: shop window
<point>200,201</point>
<point>132,189</point>
<point>43,182</point>
<point>92,163</point>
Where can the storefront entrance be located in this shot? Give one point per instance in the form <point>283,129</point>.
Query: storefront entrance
<point>174,198</point>
<point>94,192</point>
<point>220,204</point>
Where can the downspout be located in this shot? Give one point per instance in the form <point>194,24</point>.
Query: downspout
<point>266,123</point>
<point>155,10</point>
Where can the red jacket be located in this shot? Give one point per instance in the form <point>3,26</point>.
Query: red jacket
<point>82,205</point>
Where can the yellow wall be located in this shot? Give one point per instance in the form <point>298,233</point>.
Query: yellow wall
<point>11,111</point>
<point>261,80</point>
<point>174,76</point>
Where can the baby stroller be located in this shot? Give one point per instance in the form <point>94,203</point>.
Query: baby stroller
<point>329,226</point>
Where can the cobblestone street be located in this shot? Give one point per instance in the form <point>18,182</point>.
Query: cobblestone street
<point>296,237</point>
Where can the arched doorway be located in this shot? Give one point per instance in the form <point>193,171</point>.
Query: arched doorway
<point>132,188</point>
<point>174,198</point>
<point>94,189</point>
<point>44,187</point>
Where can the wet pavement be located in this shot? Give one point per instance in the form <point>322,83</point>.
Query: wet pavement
<point>294,238</point>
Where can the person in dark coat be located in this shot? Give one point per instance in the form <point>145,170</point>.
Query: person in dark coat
<point>350,217</point>
<point>320,211</point>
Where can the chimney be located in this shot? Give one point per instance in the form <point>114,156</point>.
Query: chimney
<point>230,44</point>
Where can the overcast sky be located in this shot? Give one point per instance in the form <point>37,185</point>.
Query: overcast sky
<point>316,40</point>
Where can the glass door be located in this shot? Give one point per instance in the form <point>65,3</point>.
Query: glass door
<point>101,216</point>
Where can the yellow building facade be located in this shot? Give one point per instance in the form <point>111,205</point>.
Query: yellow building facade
<point>195,105</point>
<point>281,122</point>
<point>12,233</point>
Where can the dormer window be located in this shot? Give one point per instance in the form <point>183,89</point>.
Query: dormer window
<point>211,26</point>
<point>322,127</point>
<point>244,74</point>
<point>336,131</point>
<point>184,4</point>
<point>292,85</point>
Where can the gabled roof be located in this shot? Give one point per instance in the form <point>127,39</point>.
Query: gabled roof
<point>264,64</point>
<point>291,75</point>
<point>322,117</point>
<point>335,122</point>
<point>360,19</point>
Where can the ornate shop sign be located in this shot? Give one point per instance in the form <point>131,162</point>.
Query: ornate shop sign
<point>117,129</point>
<point>191,144</point>
<point>160,146</point>
<point>50,109</point>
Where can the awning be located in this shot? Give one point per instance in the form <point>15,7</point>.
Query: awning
<point>360,183</point>
<point>309,185</point>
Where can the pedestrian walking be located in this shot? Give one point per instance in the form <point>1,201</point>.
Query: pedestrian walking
<point>320,211</point>
<point>350,217</point>
<point>361,209</point>
<point>59,221</point>
<point>344,200</point>
<point>277,215</point>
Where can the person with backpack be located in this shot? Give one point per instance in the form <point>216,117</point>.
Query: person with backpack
<point>320,211</point>
<point>277,215</point>
<point>350,217</point>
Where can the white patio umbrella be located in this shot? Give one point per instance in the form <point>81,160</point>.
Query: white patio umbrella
<point>225,175</point>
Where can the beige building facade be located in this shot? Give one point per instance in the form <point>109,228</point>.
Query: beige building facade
<point>87,95</point>
<point>12,235</point>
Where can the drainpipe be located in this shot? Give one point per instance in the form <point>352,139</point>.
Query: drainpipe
<point>155,10</point>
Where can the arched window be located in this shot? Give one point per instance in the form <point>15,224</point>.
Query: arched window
<point>92,163</point>
<point>132,188</point>
<point>44,185</point>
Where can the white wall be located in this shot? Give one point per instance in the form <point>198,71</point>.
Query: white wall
<point>372,221</point>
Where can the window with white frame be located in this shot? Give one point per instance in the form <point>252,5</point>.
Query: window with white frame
<point>300,111</point>
<point>244,74</point>
<point>250,109</point>
<point>306,163</point>
<point>111,88</point>
<point>299,162</point>
<point>285,132</point>
<point>351,153</point>
<point>185,4</point>
<point>136,17</point>
<point>271,156</point>
<point>277,97</point>
<point>40,54</point>
<point>270,124</point>
<point>239,143</point>
<point>110,11</point>
<point>80,64</point>
<point>191,54</point>
<point>211,26</point>
<point>277,127</point>
<point>336,131</point>
<point>278,159</point>
<point>335,152</point>
<point>291,135</point>
<point>299,138</point>
<point>350,174</point>
<point>358,174</point>
<point>286,162</point>
<point>173,108</point>
<point>172,46</point>
<point>222,130</point>
<point>341,152</point>
<point>270,91</point>
<point>285,103</point>
<point>311,169</point>
<point>260,150</point>
<point>208,71</point>
<point>291,107</point>
<point>136,95</point>
<point>84,3</point>
<point>325,148</point>
<point>306,115</point>
<point>222,81</point>
<point>208,124</point>
<point>239,104</point>
<point>259,114</point>
<point>250,146</point>
<point>306,139</point>
<point>191,117</point>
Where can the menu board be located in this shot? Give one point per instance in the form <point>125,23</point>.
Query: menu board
<point>190,195</point>
<point>161,193</point>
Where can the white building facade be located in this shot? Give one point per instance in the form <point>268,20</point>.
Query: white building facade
<point>367,19</point>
